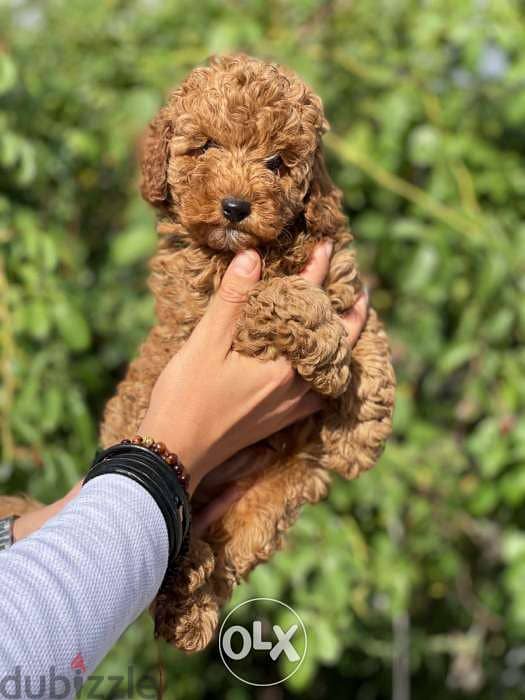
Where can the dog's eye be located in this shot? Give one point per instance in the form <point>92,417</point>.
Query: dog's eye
<point>210,143</point>
<point>276,165</point>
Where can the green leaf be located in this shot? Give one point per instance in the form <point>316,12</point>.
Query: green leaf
<point>7,73</point>
<point>132,246</point>
<point>72,326</point>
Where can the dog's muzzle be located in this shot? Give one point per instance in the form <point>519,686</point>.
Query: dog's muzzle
<point>230,239</point>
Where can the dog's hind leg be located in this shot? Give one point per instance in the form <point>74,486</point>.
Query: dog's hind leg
<point>255,526</point>
<point>187,613</point>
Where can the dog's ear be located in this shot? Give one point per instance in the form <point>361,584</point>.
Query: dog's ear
<point>323,203</point>
<point>154,159</point>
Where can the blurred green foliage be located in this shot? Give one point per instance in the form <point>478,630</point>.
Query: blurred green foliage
<point>418,567</point>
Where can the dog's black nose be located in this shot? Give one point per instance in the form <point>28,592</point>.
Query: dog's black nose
<point>235,209</point>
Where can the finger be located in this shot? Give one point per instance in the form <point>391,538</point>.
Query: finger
<point>216,509</point>
<point>355,318</point>
<point>229,470</point>
<point>241,276</point>
<point>242,464</point>
<point>318,265</point>
<point>248,461</point>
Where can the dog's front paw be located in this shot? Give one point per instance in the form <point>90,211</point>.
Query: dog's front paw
<point>289,316</point>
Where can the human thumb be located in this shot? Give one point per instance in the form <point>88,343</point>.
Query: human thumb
<point>241,276</point>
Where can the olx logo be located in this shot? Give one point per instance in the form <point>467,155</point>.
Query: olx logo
<point>238,641</point>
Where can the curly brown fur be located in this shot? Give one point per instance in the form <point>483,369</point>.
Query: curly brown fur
<point>17,505</point>
<point>213,140</point>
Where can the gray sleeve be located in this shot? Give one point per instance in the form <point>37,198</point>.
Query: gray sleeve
<point>70,590</point>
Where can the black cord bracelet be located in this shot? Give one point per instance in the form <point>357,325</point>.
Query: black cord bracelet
<point>163,481</point>
<point>149,457</point>
<point>145,476</point>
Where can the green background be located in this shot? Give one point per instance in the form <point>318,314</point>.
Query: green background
<point>416,572</point>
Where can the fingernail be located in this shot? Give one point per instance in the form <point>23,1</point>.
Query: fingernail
<point>366,291</point>
<point>245,263</point>
<point>328,246</point>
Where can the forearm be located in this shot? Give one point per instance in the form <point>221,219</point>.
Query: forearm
<point>76,584</point>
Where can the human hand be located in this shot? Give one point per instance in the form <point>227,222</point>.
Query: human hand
<point>219,488</point>
<point>226,483</point>
<point>211,402</point>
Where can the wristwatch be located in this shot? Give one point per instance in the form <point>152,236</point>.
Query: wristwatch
<point>6,532</point>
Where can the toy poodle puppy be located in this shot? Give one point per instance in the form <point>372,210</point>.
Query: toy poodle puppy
<point>233,161</point>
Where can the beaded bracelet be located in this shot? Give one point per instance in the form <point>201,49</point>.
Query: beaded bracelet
<point>160,449</point>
